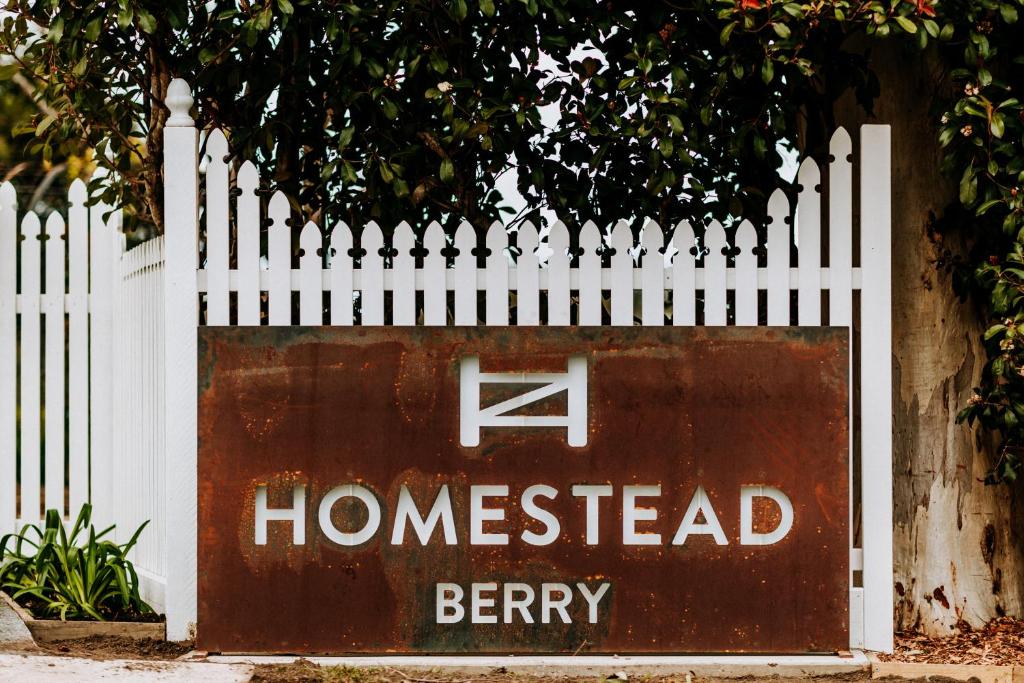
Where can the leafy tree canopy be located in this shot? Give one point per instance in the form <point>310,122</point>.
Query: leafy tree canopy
<point>412,109</point>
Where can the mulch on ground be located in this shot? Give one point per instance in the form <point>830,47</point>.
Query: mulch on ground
<point>117,647</point>
<point>1001,641</point>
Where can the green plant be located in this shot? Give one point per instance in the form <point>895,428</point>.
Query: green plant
<point>78,575</point>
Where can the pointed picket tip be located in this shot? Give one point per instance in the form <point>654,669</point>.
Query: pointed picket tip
<point>465,236</point>
<point>529,238</point>
<point>497,237</point>
<point>372,239</point>
<point>558,238</point>
<point>434,239</point>
<point>714,238</point>
<point>54,225</point>
<point>78,194</point>
<point>590,239</point>
<point>217,146</point>
<point>403,240</point>
<point>30,225</point>
<point>279,210</point>
<point>653,237</point>
<point>809,175</point>
<point>778,205</point>
<point>8,195</point>
<point>621,235</point>
<point>248,177</point>
<point>746,236</point>
<point>841,146</point>
<point>341,239</point>
<point>310,236</point>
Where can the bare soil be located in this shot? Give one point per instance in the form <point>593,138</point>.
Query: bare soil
<point>117,647</point>
<point>303,671</point>
<point>1001,641</point>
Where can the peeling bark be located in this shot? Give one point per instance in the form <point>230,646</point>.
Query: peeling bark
<point>959,551</point>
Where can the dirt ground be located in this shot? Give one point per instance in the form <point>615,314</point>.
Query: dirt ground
<point>116,647</point>
<point>307,672</point>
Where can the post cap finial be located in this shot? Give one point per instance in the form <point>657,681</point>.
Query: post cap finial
<point>179,101</point>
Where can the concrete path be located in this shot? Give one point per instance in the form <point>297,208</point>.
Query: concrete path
<point>28,668</point>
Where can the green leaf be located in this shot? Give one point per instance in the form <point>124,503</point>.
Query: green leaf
<point>906,24</point>
<point>459,9</point>
<point>781,30</point>
<point>487,7</point>
<point>985,206</point>
<point>723,37</point>
<point>665,147</point>
<point>7,71</point>
<point>1009,13</point>
<point>947,32</point>
<point>147,22</point>
<point>447,171</point>
<point>998,125</point>
<point>968,187</point>
<point>767,71</point>
<point>44,124</point>
<point>286,7</point>
<point>124,17</point>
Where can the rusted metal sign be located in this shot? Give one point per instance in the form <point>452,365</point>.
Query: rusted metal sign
<point>557,490</point>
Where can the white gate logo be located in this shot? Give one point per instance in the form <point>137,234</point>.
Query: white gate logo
<point>573,381</point>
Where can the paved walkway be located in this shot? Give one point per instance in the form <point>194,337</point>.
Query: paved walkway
<point>28,668</point>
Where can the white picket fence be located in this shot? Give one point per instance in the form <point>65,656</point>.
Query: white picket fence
<point>140,406</point>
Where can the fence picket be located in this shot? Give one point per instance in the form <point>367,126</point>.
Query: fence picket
<point>622,274</point>
<point>341,275</point>
<point>559,304</point>
<point>528,277</point>
<point>404,270</point>
<point>279,261</point>
<point>311,288</point>
<point>435,290</point>
<point>653,276</point>
<point>840,230</point>
<point>746,274</point>
<point>30,367</point>
<point>715,311</point>
<point>590,275</point>
<point>778,259</point>
<point>465,275</point>
<point>217,229</point>
<point>53,416</point>
<point>371,295</point>
<point>109,296</point>
<point>104,252</point>
<point>78,347</point>
<point>496,275</point>
<point>8,357</point>
<point>808,235</point>
<point>248,245</point>
<point>684,276</point>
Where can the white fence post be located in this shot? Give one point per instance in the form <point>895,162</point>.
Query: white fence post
<point>8,357</point>
<point>876,385</point>
<point>181,321</point>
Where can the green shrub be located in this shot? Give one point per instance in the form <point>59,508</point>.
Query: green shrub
<point>72,576</point>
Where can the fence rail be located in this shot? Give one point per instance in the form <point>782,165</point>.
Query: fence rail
<point>106,338</point>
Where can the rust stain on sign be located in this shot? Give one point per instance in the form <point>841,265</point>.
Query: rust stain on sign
<point>672,490</point>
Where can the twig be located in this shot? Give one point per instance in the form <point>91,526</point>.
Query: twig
<point>408,679</point>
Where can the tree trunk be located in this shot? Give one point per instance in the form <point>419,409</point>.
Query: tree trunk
<point>959,550</point>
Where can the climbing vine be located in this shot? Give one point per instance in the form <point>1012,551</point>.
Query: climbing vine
<point>414,110</point>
